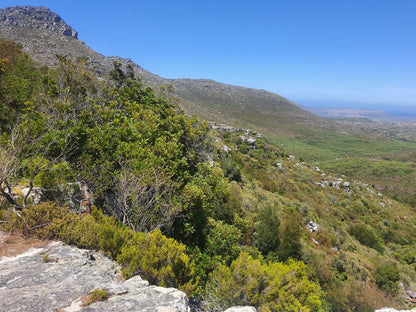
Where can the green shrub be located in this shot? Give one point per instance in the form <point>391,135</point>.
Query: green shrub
<point>82,232</point>
<point>290,235</point>
<point>205,196</point>
<point>352,295</point>
<point>409,257</point>
<point>38,220</point>
<point>387,275</point>
<point>112,236</point>
<point>158,259</point>
<point>231,169</point>
<point>366,237</point>
<point>325,238</point>
<point>391,235</point>
<point>268,287</point>
<point>95,296</point>
<point>50,179</point>
<point>49,221</point>
<point>46,258</point>
<point>267,231</point>
<point>221,248</point>
<point>222,241</point>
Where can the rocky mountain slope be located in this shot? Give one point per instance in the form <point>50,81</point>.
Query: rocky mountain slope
<point>36,18</point>
<point>259,109</point>
<point>44,34</point>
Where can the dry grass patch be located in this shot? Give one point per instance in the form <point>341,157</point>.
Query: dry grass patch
<point>13,244</point>
<point>94,296</point>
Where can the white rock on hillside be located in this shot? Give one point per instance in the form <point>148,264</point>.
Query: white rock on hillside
<point>28,283</point>
<point>241,309</point>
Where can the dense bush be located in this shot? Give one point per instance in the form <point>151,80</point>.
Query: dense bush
<point>267,231</point>
<point>40,220</point>
<point>268,287</point>
<point>222,241</point>
<point>387,277</point>
<point>409,256</point>
<point>231,169</point>
<point>222,247</point>
<point>158,259</point>
<point>50,180</point>
<point>19,81</point>
<point>290,235</point>
<point>353,296</point>
<point>206,196</point>
<point>366,237</point>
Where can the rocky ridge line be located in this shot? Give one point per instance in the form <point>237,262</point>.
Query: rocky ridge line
<point>36,18</point>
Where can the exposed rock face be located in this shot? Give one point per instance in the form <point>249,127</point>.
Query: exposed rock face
<point>44,34</point>
<point>57,276</point>
<point>44,44</point>
<point>35,18</point>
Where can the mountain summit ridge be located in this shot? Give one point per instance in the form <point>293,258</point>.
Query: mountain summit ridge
<point>36,18</point>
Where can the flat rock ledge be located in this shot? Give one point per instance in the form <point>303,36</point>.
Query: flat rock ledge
<point>55,277</point>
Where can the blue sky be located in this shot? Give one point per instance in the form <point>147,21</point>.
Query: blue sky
<point>314,52</point>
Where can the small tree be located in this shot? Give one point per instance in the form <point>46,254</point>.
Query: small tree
<point>290,235</point>
<point>28,149</point>
<point>19,81</point>
<point>42,133</point>
<point>366,237</point>
<point>272,286</point>
<point>267,231</point>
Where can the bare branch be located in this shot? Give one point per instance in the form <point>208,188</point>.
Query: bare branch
<point>24,146</point>
<point>143,201</point>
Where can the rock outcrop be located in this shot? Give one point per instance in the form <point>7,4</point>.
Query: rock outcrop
<point>44,34</point>
<point>57,277</point>
<point>36,18</point>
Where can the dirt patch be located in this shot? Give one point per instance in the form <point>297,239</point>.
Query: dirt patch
<point>13,244</point>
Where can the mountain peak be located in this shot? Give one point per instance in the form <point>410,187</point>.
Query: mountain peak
<point>36,18</point>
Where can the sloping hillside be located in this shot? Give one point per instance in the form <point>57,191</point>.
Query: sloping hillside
<point>203,98</point>
<point>243,221</point>
<point>247,107</point>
